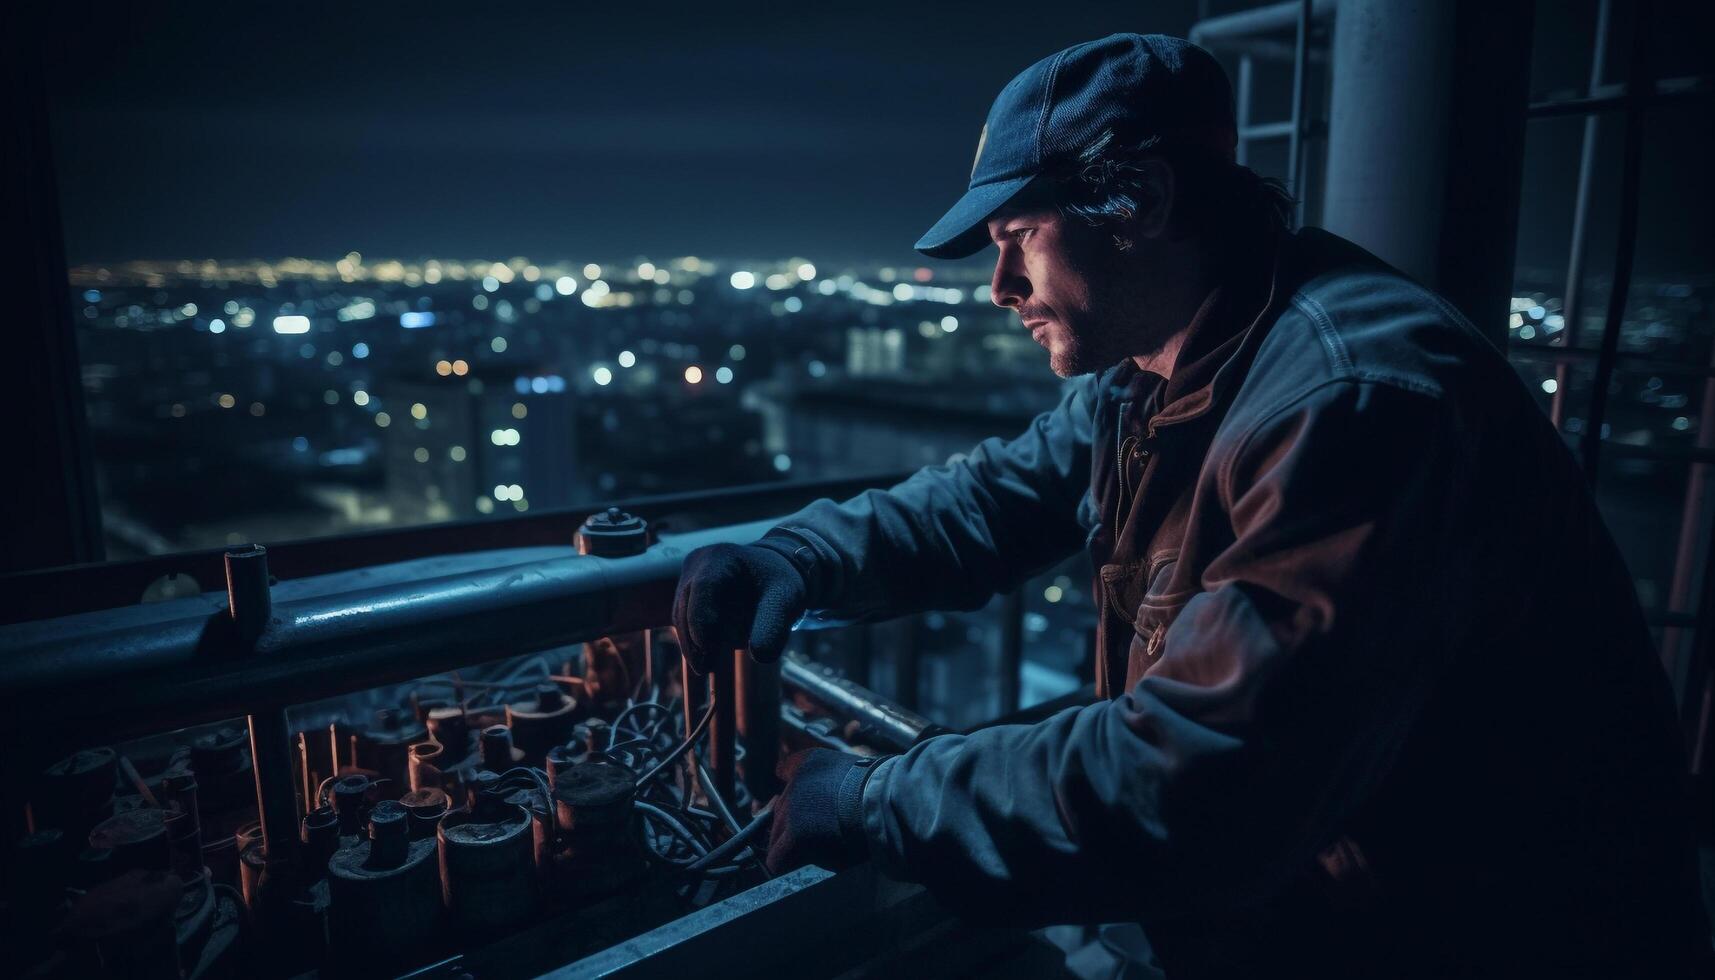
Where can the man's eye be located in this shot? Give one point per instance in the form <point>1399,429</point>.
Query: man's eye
<point>1020,234</point>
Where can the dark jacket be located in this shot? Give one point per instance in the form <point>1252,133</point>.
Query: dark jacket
<point>1378,697</point>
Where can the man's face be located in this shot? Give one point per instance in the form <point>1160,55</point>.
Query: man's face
<point>1077,293</point>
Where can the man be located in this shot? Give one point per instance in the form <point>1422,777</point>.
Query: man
<point>1376,695</point>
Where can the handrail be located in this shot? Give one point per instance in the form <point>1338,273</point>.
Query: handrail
<point>83,588</point>
<point>130,670</point>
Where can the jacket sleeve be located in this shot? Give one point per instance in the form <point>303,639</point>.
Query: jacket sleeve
<point>1281,694</point>
<point>951,536</point>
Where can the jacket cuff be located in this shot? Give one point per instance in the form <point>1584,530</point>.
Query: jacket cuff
<point>848,806</point>
<point>797,551</point>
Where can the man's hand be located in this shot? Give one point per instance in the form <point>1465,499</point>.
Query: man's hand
<point>818,816</point>
<point>733,596</point>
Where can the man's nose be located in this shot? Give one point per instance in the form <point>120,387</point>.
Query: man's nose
<point>1008,288</point>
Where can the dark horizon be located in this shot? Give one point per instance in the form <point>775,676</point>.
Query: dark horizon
<point>205,132</point>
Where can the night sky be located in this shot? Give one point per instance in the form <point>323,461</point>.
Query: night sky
<point>835,132</point>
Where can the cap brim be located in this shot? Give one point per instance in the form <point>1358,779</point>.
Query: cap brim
<point>961,231</point>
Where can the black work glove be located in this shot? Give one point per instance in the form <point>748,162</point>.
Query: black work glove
<point>818,816</point>
<point>733,596</point>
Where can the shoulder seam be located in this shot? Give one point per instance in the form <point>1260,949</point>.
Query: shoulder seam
<point>1224,478</point>
<point>1324,324</point>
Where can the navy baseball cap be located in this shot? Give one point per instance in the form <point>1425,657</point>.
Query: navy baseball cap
<point>1137,85</point>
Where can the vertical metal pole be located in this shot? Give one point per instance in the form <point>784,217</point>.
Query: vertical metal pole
<point>1638,83</point>
<point>1677,650</point>
<point>906,660</point>
<point>1573,306</point>
<point>759,724</point>
<point>1011,649</point>
<point>1300,67</point>
<point>1242,112</point>
<point>249,606</point>
<point>1416,87</point>
<point>48,434</point>
<point>1385,182</point>
<point>722,728</point>
<point>1699,702</point>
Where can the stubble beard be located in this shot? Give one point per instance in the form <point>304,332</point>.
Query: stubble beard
<point>1101,341</point>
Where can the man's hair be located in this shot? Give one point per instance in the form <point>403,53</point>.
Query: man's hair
<point>1214,198</point>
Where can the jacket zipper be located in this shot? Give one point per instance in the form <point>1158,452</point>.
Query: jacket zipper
<point>1134,444</point>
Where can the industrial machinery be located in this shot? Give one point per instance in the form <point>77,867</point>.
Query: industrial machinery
<point>476,765</point>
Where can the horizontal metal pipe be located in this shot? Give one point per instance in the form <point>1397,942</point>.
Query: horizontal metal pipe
<point>1266,131</point>
<point>1260,20</point>
<point>131,670</point>
<point>1266,50</point>
<point>85,588</point>
<point>1613,96</point>
<point>882,719</point>
<point>1633,363</point>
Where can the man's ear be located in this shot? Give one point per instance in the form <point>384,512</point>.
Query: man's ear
<point>1154,215</point>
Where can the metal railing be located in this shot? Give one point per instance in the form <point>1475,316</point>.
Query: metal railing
<point>1246,34</point>
<point>103,585</point>
<point>1688,637</point>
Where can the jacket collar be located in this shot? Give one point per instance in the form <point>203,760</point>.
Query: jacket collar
<point>1221,340</point>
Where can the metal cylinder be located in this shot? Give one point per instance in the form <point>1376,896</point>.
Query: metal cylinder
<point>758,685</point>
<point>317,760</point>
<point>384,901</point>
<point>613,534</point>
<point>449,727</point>
<point>1387,129</point>
<point>481,789</point>
<point>559,757</point>
<point>276,797</point>
<point>425,769</point>
<point>426,806</point>
<point>248,602</point>
<point>1415,87</point>
<point>543,835</point>
<point>385,748</point>
<point>696,699</point>
<point>350,802</point>
<point>723,727</point>
<point>498,754</point>
<point>184,821</point>
<point>488,868</point>
<point>137,838</point>
<point>320,833</point>
<point>542,723</point>
<point>592,735</point>
<point>252,872</point>
<point>222,768</point>
<point>249,605</point>
<point>75,793</point>
<point>878,720</point>
<point>616,534</point>
<point>592,806</point>
<point>389,834</point>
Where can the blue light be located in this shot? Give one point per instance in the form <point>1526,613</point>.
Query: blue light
<point>360,350</point>
<point>92,296</point>
<point>539,385</point>
<point>416,320</point>
<point>343,457</point>
<point>556,383</point>
<point>300,444</point>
